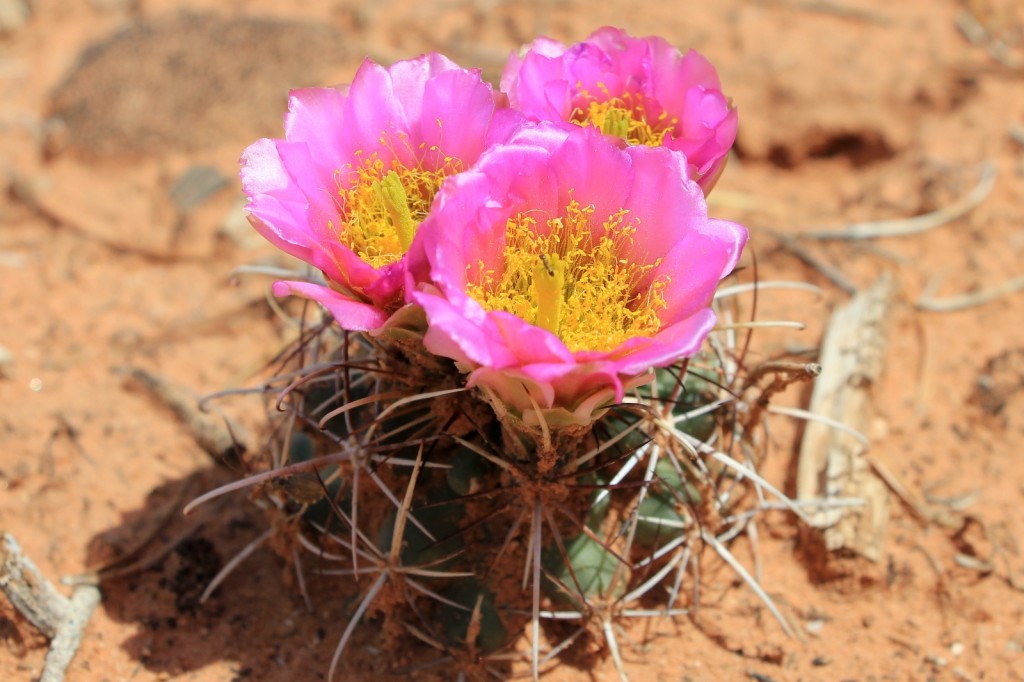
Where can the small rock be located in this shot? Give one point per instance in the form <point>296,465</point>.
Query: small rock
<point>55,137</point>
<point>236,228</point>
<point>111,4</point>
<point>13,15</point>
<point>6,362</point>
<point>195,186</point>
<point>13,259</point>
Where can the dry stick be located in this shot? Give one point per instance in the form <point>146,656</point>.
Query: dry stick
<point>60,619</point>
<point>925,369</point>
<point>903,227</point>
<point>841,10</point>
<point>914,502</point>
<point>832,463</point>
<point>1016,133</point>
<point>962,302</point>
<point>898,228</point>
<point>64,620</point>
<point>972,29</point>
<point>791,371</point>
<point>784,373</point>
<point>831,273</point>
<point>979,35</point>
<point>211,434</point>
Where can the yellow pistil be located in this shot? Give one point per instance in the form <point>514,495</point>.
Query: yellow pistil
<point>382,207</point>
<point>548,285</point>
<point>626,117</point>
<point>572,284</point>
<point>396,203</point>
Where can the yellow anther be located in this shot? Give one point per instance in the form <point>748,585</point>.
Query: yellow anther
<point>383,206</point>
<point>626,117</point>
<point>562,278</point>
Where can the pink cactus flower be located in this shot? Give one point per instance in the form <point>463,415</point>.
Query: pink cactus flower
<point>640,89</point>
<point>562,267</point>
<point>356,173</point>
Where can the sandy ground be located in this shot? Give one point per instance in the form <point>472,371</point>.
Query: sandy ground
<point>120,126</point>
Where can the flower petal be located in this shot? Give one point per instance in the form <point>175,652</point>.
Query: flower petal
<point>424,117</point>
<point>350,314</point>
<point>543,167</point>
<point>677,95</point>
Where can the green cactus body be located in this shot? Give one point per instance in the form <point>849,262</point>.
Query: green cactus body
<point>455,622</point>
<point>482,492</point>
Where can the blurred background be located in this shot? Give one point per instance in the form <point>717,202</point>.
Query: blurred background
<point>122,221</point>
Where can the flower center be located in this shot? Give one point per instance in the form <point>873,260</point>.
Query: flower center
<point>383,206</point>
<point>626,117</point>
<point>579,287</point>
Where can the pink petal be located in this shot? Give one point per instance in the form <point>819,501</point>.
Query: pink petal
<point>277,206</point>
<point>373,112</point>
<point>316,117</point>
<point>661,199</point>
<point>539,170</point>
<point>350,314</point>
<point>396,113</point>
<point>696,264</point>
<point>465,105</point>
<point>673,342</point>
<point>459,333</point>
<point>593,172</point>
<point>549,84</point>
<point>409,80</point>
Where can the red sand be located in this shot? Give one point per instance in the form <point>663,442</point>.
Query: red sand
<point>850,111</point>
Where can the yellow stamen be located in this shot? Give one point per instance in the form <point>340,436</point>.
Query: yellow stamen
<point>382,207</point>
<point>579,286</point>
<point>626,117</point>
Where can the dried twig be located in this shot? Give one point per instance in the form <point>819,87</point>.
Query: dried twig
<point>964,301</point>
<point>908,226</point>
<point>980,35</point>
<point>784,371</point>
<point>830,272</point>
<point>783,374</point>
<point>842,10</point>
<point>1016,133</point>
<point>60,619</point>
<point>211,434</point>
<point>914,502</point>
<point>971,29</point>
<point>832,462</point>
